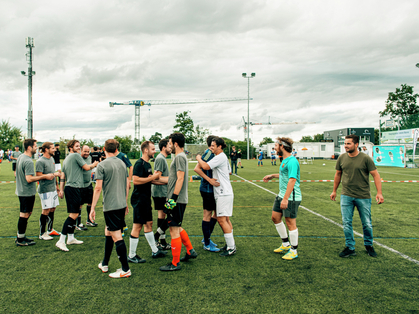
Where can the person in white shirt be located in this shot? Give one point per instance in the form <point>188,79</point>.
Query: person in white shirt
<point>223,193</point>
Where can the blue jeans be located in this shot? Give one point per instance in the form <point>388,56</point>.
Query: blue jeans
<point>233,163</point>
<point>347,206</point>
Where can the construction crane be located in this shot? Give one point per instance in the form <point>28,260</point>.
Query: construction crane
<point>139,103</point>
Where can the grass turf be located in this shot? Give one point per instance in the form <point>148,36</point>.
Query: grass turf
<point>41,278</point>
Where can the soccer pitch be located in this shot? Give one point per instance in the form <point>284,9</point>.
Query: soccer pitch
<point>42,279</point>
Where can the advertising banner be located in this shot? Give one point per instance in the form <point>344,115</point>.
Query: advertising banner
<point>393,156</point>
<point>415,141</point>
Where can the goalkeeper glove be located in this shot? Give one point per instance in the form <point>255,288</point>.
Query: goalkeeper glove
<point>171,202</point>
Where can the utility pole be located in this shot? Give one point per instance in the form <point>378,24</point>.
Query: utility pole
<point>244,75</point>
<point>30,44</point>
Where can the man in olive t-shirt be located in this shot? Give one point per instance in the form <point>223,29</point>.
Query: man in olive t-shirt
<point>14,157</point>
<point>354,170</point>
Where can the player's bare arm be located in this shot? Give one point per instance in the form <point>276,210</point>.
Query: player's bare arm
<point>96,195</point>
<point>336,182</point>
<point>211,181</point>
<point>377,181</point>
<point>270,177</point>
<point>202,163</point>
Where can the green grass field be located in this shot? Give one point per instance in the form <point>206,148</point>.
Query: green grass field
<point>42,279</point>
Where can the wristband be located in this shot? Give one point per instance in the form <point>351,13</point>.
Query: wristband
<point>174,197</point>
<point>62,180</point>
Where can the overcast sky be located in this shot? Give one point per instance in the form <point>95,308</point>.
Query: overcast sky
<point>328,62</point>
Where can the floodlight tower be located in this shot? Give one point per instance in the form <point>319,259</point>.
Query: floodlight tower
<point>30,44</point>
<point>244,75</point>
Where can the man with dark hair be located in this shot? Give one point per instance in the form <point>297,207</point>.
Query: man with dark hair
<point>159,193</point>
<point>14,157</point>
<point>141,203</point>
<point>26,189</point>
<point>209,219</point>
<point>223,193</point>
<point>47,190</point>
<point>87,191</point>
<point>233,157</point>
<point>177,199</point>
<point>289,198</point>
<point>73,168</point>
<point>112,178</point>
<point>354,170</point>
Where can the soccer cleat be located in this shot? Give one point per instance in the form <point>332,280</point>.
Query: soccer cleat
<point>291,254</point>
<point>370,250</point>
<point>228,252</point>
<point>74,241</point>
<point>187,257</point>
<point>53,232</point>
<point>347,252</point>
<point>203,242</point>
<point>136,259</point>
<point>211,248</point>
<point>29,241</point>
<point>81,227</point>
<point>45,236</point>
<point>103,268</point>
<point>158,254</point>
<point>61,246</point>
<point>282,249</point>
<point>170,267</point>
<point>163,247</point>
<point>91,224</point>
<point>24,242</point>
<point>120,274</point>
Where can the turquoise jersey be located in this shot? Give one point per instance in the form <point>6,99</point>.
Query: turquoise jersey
<point>289,168</point>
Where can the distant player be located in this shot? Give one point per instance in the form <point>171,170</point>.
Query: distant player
<point>239,158</point>
<point>73,168</point>
<point>159,193</point>
<point>273,157</point>
<point>260,158</point>
<point>57,157</point>
<point>223,193</point>
<point>96,156</point>
<point>206,189</point>
<point>26,189</point>
<point>288,200</point>
<point>177,199</point>
<point>294,152</point>
<point>112,179</point>
<point>233,158</point>
<point>14,157</point>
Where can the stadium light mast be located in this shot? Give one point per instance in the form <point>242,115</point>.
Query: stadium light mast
<point>30,44</point>
<point>244,75</point>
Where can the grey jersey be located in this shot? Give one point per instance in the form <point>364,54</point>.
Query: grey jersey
<point>160,164</point>
<point>16,154</point>
<point>87,175</point>
<point>72,168</point>
<point>46,166</point>
<point>113,172</point>
<point>24,167</point>
<point>180,163</point>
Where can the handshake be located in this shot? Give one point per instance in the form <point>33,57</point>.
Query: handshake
<point>171,202</point>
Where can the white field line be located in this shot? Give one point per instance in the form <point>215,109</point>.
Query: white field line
<point>339,225</point>
<point>404,174</point>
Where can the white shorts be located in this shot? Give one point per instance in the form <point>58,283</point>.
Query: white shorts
<point>49,200</point>
<point>57,167</point>
<point>224,205</point>
<point>239,160</point>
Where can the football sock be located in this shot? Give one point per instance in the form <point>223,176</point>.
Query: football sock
<point>206,230</point>
<point>162,239</point>
<point>229,240</point>
<point>78,220</point>
<point>282,231</point>
<point>213,222</point>
<point>186,242</point>
<point>133,243</point>
<point>294,239</point>
<point>151,242</point>
<point>20,237</point>
<point>108,250</point>
<point>68,226</point>
<point>176,248</point>
<point>159,230</point>
<point>121,250</point>
<point>21,225</point>
<point>50,221</point>
<point>70,236</point>
<point>42,223</point>
<point>62,238</point>
<point>88,208</point>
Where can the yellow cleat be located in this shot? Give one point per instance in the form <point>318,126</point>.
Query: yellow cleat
<point>282,249</point>
<point>292,254</point>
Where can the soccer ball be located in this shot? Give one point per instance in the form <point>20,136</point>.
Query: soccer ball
<point>324,164</point>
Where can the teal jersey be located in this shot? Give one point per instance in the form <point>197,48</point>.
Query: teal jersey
<point>289,168</point>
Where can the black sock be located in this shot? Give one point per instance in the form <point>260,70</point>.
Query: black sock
<point>50,221</point>
<point>108,250</point>
<point>69,225</point>
<point>21,226</point>
<point>213,222</point>
<point>88,208</point>
<point>294,247</point>
<point>121,250</point>
<point>78,219</point>
<point>42,223</point>
<point>206,230</point>
<point>285,240</point>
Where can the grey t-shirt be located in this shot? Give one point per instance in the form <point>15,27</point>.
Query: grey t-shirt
<point>46,166</point>
<point>113,172</point>
<point>87,175</point>
<point>16,154</point>
<point>72,168</point>
<point>160,164</point>
<point>24,167</point>
<point>180,163</point>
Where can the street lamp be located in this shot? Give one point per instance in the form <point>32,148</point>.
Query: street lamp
<point>30,43</point>
<point>244,75</point>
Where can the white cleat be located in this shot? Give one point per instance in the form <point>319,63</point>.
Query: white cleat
<point>120,274</point>
<point>74,241</point>
<point>104,269</point>
<point>61,246</point>
<point>45,236</point>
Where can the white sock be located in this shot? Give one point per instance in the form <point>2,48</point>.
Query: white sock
<point>133,243</point>
<point>294,238</point>
<point>150,239</point>
<point>163,236</point>
<point>229,240</point>
<point>20,236</point>
<point>70,236</point>
<point>62,238</point>
<point>282,231</point>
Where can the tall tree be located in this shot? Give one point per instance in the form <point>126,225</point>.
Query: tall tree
<point>125,143</point>
<point>10,136</point>
<point>184,124</point>
<point>307,138</point>
<point>318,137</point>
<point>156,138</point>
<point>201,135</point>
<point>266,140</point>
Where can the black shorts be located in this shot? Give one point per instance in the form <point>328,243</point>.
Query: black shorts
<point>87,195</point>
<point>208,201</point>
<point>73,197</point>
<point>142,211</point>
<point>114,219</point>
<point>26,203</point>
<point>14,166</point>
<point>290,212</point>
<point>175,216</point>
<point>159,203</point>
